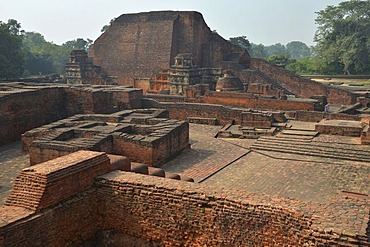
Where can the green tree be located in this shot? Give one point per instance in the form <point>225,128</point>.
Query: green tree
<point>343,36</point>
<point>258,51</point>
<point>275,49</point>
<point>43,57</point>
<point>241,41</point>
<point>280,60</point>
<point>106,27</point>
<point>304,65</point>
<point>297,49</point>
<point>11,54</point>
<point>78,44</point>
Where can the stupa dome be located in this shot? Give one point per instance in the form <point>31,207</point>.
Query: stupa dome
<point>229,82</point>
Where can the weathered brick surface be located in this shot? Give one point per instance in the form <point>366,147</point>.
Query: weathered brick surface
<point>68,224</point>
<point>140,45</point>
<point>313,116</point>
<point>125,208</point>
<point>49,183</point>
<point>243,100</point>
<point>339,127</point>
<point>257,119</point>
<point>26,106</point>
<point>24,109</point>
<point>250,101</point>
<point>183,111</point>
<point>301,86</point>
<point>213,113</point>
<point>141,135</point>
<point>175,213</point>
<point>40,154</point>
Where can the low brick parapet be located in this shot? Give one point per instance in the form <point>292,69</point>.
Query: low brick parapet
<point>49,183</point>
<point>166,211</point>
<point>124,206</point>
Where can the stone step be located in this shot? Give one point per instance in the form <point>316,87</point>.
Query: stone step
<point>316,148</point>
<point>336,146</point>
<point>301,152</point>
<point>288,138</point>
<point>310,150</point>
<point>295,132</point>
<point>273,82</point>
<point>321,150</point>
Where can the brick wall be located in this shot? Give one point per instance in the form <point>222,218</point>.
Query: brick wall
<point>135,46</point>
<point>254,119</point>
<point>133,148</point>
<point>140,45</point>
<point>126,209</point>
<point>155,149</point>
<point>49,183</point>
<point>39,154</point>
<point>80,100</point>
<point>223,114</point>
<point>24,110</point>
<point>26,106</point>
<point>171,144</point>
<point>248,101</point>
<point>71,223</point>
<point>311,116</point>
<point>303,87</point>
<point>244,100</point>
<point>174,213</point>
<point>162,212</point>
<point>330,127</point>
<point>183,111</point>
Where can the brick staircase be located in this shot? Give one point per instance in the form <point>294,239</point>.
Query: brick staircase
<point>305,146</point>
<point>268,79</point>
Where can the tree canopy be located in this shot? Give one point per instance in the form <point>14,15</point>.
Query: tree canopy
<point>28,53</point>
<point>241,41</point>
<point>11,54</point>
<point>294,49</point>
<point>43,57</point>
<point>106,27</point>
<point>298,49</point>
<point>343,37</point>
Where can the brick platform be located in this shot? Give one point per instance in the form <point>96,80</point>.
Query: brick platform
<point>144,136</point>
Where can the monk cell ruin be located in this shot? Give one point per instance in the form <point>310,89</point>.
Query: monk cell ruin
<point>166,134</point>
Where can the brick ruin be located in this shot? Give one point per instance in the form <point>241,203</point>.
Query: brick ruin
<point>144,136</point>
<point>176,53</point>
<point>99,174</point>
<point>20,104</point>
<point>140,45</point>
<point>81,70</point>
<point>108,196</point>
<point>126,209</point>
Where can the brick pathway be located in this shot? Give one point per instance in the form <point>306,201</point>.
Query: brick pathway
<point>12,161</point>
<point>319,185</point>
<point>303,180</point>
<point>207,154</point>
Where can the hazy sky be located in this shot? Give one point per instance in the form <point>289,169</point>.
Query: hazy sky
<point>262,21</point>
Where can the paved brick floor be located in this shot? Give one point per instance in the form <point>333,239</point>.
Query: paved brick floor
<point>12,161</point>
<point>207,154</point>
<point>311,181</point>
<point>334,192</point>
